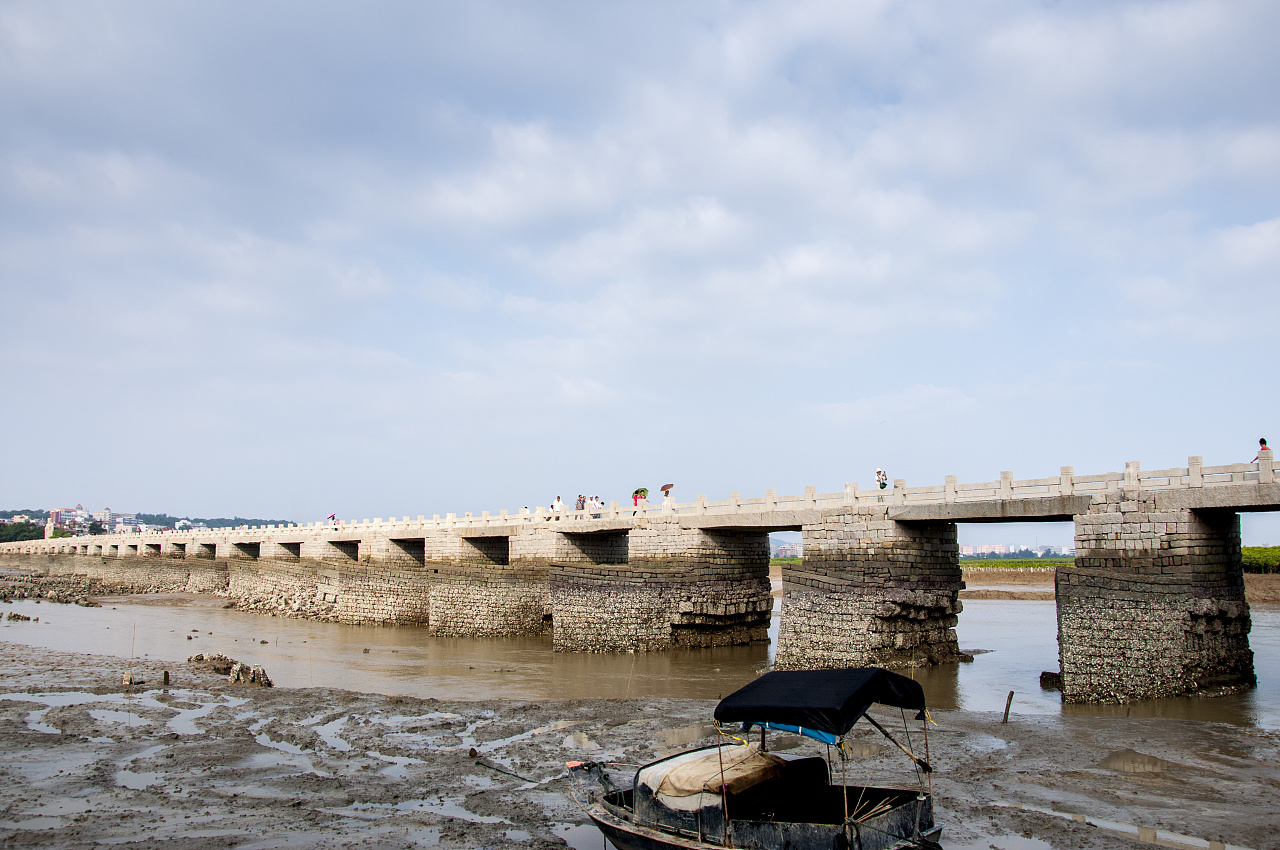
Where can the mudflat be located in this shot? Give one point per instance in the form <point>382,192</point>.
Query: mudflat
<point>204,764</point>
<point>996,583</point>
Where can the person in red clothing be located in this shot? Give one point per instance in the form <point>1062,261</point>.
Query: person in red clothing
<point>1262,447</point>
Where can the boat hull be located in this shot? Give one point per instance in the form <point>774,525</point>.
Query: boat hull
<point>627,836</point>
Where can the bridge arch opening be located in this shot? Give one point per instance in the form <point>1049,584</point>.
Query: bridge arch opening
<point>1009,617</point>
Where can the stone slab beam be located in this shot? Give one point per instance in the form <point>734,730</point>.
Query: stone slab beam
<point>1054,509</point>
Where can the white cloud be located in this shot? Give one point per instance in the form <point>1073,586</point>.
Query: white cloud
<point>427,225</point>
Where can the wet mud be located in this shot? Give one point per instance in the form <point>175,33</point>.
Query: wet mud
<point>206,764</point>
<point>995,583</point>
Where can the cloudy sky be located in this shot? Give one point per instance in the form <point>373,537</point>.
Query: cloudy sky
<point>278,259</point>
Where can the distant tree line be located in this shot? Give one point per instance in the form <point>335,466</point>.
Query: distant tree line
<point>21,531</point>
<point>1018,555</point>
<point>31,512</point>
<point>1260,559</point>
<point>166,521</point>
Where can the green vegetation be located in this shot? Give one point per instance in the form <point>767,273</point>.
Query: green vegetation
<point>1260,559</point>
<point>166,521</point>
<point>96,527</point>
<point>60,532</point>
<point>31,512</point>
<point>21,531</point>
<point>1016,555</point>
<point>996,563</point>
<point>1018,564</point>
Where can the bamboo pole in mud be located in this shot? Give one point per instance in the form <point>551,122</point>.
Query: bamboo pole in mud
<point>1008,702</point>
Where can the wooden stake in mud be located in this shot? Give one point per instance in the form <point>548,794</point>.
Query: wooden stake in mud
<point>1008,702</point>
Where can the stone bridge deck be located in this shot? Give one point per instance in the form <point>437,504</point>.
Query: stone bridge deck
<point>1154,604</point>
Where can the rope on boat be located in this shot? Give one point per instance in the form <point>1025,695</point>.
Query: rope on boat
<point>924,765</point>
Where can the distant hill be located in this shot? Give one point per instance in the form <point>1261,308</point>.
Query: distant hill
<point>31,512</point>
<point>158,520</point>
<point>166,521</point>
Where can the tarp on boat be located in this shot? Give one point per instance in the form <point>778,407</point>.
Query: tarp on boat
<point>690,781</point>
<point>737,768</point>
<point>828,702</point>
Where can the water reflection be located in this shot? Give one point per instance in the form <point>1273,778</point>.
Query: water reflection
<point>1021,636</point>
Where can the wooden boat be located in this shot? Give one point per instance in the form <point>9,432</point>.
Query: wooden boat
<point>738,794</point>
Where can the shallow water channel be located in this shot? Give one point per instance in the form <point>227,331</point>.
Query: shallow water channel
<point>1019,636</point>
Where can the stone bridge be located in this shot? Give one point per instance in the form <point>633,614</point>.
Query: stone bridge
<point>1153,606</point>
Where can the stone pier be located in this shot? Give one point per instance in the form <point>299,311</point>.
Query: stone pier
<point>871,591</point>
<point>660,586</point>
<point>1154,605</point>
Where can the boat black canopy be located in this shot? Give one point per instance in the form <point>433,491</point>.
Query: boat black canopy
<point>822,704</point>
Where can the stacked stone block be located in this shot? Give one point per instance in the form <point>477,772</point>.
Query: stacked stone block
<point>377,593</point>
<point>1154,605</point>
<point>489,600</point>
<point>682,587</point>
<point>871,591</point>
<point>286,588</point>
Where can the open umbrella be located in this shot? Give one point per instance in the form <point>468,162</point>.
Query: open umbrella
<point>642,492</point>
<point>666,489</point>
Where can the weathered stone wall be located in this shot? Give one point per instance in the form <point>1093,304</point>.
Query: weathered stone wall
<point>135,574</point>
<point>489,600</point>
<point>381,594</point>
<point>622,608</point>
<point>682,587</point>
<point>871,591</point>
<point>1154,605</point>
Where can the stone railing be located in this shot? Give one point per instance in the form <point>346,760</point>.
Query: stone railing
<point>1066,483</point>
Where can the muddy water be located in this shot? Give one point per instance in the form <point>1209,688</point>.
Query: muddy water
<point>1020,638</point>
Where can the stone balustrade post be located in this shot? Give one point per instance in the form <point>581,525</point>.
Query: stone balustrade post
<point>1266,471</point>
<point>1006,484</point>
<point>1066,484</point>
<point>613,509</point>
<point>771,499</point>
<point>1131,472</point>
<point>810,496</point>
<point>950,490</point>
<point>702,503</point>
<point>899,491</point>
<point>734,500</point>
<point>1195,471</point>
<point>851,493</point>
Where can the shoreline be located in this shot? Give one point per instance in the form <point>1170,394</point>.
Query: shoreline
<point>215,765</point>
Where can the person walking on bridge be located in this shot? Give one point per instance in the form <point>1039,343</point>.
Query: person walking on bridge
<point>1262,447</point>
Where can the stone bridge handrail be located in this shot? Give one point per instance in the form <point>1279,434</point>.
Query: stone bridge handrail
<point>1067,483</point>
